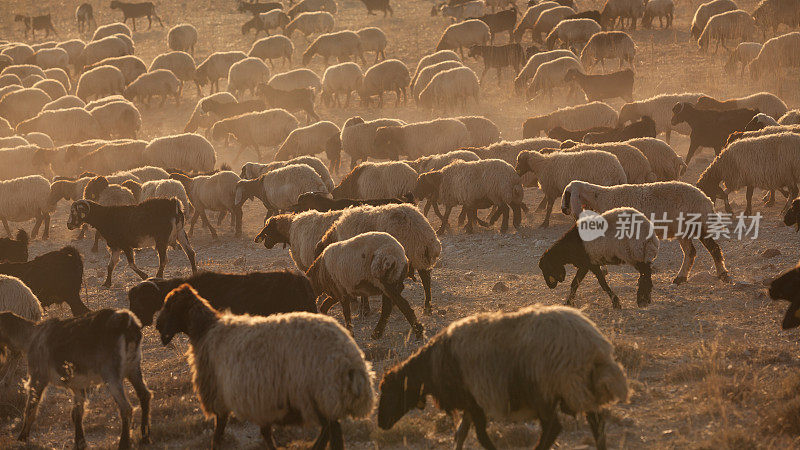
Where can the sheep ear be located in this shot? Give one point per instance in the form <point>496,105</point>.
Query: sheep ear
<point>575,204</point>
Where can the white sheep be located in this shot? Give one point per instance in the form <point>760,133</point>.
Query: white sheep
<point>608,45</point>
<point>663,9</point>
<point>99,82</point>
<point>554,171</point>
<point>158,82</point>
<point>166,189</point>
<point>665,201</point>
<point>149,173</point>
<point>17,298</point>
<point>128,40</point>
<point>316,138</point>
<point>181,64</point>
<point>550,75</point>
<point>255,366</point>
<point>118,118</point>
<point>435,162</point>
<point>23,70</point>
<point>548,19</point>
<point>777,54</point>
<point>26,198</point>
<point>130,66</point>
<point>421,138</point>
<point>464,34</point>
<point>48,58</point>
<point>200,118</point>
<point>39,139</point>
<point>434,58</point>
<point>256,129</point>
<point>790,118</point>
<point>19,52</point>
<point>254,170</point>
<point>405,223</point>
<point>216,66</point>
<point>530,68</point>
<point>114,156</point>
<point>482,131</point>
<point>278,189</point>
<point>64,126</point>
<point>309,23</point>
<point>215,192</point>
<point>245,75</point>
<point>273,47</point>
<point>74,49</point>
<point>340,79</point>
<point>296,79</point>
<point>387,75</point>
<point>377,180</point>
<point>12,141</point>
<point>339,44</point>
<point>107,47</point>
<point>5,127</point>
<point>572,33</point>
<point>368,264</point>
<point>666,164</point>
<point>765,102</point>
<point>188,152</point>
<point>730,25</point>
<point>450,87</point>
<point>273,19</point>
<point>182,38</point>
<point>30,80</point>
<point>425,75</point>
<point>743,54</point>
<point>110,30</point>
<point>474,8</point>
<point>60,76</point>
<point>475,365</point>
<point>636,165</point>
<point>10,79</point>
<point>373,39</point>
<point>580,117</point>
<point>529,18</point>
<point>659,108</point>
<point>706,11</point>
<point>358,138</point>
<point>53,88</point>
<point>616,11</point>
<point>23,160</point>
<point>301,231</point>
<point>23,104</point>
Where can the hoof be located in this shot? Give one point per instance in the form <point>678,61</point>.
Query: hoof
<point>376,335</point>
<point>679,280</point>
<point>427,311</point>
<point>419,332</point>
<point>725,277</point>
<point>615,303</point>
<point>643,301</point>
<point>80,445</point>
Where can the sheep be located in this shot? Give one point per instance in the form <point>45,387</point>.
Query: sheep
<point>318,201</point>
<point>776,56</point>
<point>491,179</point>
<point>181,64</point>
<point>200,118</point>
<point>733,25</point>
<point>284,332</point>
<point>30,80</point>
<point>482,131</point>
<point>508,150</point>
<point>548,20</point>
<point>166,188</point>
<point>614,10</point>
<point>130,66</point>
<point>12,142</point>
<point>605,86</point>
<point>108,47</point>
<point>309,23</point>
<point>149,173</point>
<point>710,128</point>
<point>772,13</point>
<point>358,137</point>
<point>594,114</point>
<point>10,79</point>
<point>273,47</point>
<point>114,156</point>
<point>43,22</point>
<point>158,82</point>
<point>434,58</point>
<point>370,181</point>
<point>118,118</point>
<point>48,58</point>
<point>554,171</point>
<point>99,82</point>
<point>212,192</point>
<point>339,79</point>
<point>254,170</point>
<point>608,44</point>
<point>464,10</point>
<point>472,366</point>
<point>110,30</point>
<point>245,75</point>
<point>19,52</point>
<point>340,44</point>
<point>301,231</point>
<point>18,298</point>
<point>764,102</point>
<point>785,288</point>
<point>790,118</point>
<point>706,11</point>
<point>295,79</point>
<point>64,126</point>
<point>73,189</point>
<point>405,223</point>
<point>663,9</point>
<point>14,250</point>
<point>74,49</point>
<point>22,104</point>
<point>23,160</point>
<point>637,167</point>
<point>368,264</point>
<point>645,127</point>
<point>447,87</point>
<point>84,15</point>
<point>216,66</point>
<point>135,10</point>
<point>743,54</point>
<point>39,139</point>
<point>373,40</point>
<point>182,38</point>
<point>659,108</point>
<point>550,75</point>
<point>760,121</point>
<point>499,22</point>
<point>421,138</point>
<point>387,75</point>
<point>766,162</point>
<point>464,34</point>
<point>59,75</point>
<point>24,70</point>
<point>5,127</point>
<point>530,68</point>
<point>311,6</point>
<point>278,189</point>
<point>425,75</point>
<point>316,138</point>
<point>256,129</point>
<point>572,33</point>
<point>186,151</point>
<point>664,200</point>
<point>498,56</point>
<point>255,293</point>
<point>666,164</point>
<point>378,5</point>
<point>23,199</point>
<point>52,88</point>
<point>222,110</point>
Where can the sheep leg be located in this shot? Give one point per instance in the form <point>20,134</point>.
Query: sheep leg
<point>113,258</point>
<point>144,395</point>
<point>749,196</point>
<point>132,261</point>
<point>266,433</point>
<point>348,323</point>
<point>95,247</point>
<point>237,220</point>
<point>34,232</point>
<point>78,405</point>
<point>425,277</point>
<point>551,427</point>
<point>192,223</point>
<point>363,311</point>
<point>219,429</point>
<point>517,209</point>
<point>573,289</point>
<point>479,418</point>
<point>114,386</point>
<point>463,430</point>
<point>183,241</point>
<point>692,148</point>
<point>503,208</point>
<point>35,391</point>
<point>206,223</point>
<point>46,230</point>
<point>408,312</point>
<point>667,135</point>
<point>719,260</point>
<point>643,292</point>
<point>689,254</point>
<point>445,219</point>
<point>597,422</point>
<point>335,435</point>
<point>326,304</point>
<point>548,209</point>
<point>386,311</point>
<point>221,217</point>
<point>324,435</point>
<point>601,279</point>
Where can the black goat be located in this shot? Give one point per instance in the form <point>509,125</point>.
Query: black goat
<point>787,287</point>
<point>604,86</point>
<point>378,5</point>
<point>126,228</point>
<point>14,250</point>
<point>644,127</point>
<point>255,293</point>
<point>319,202</point>
<point>509,55</point>
<point>34,23</point>
<point>710,128</point>
<point>103,346</point>
<point>588,14</point>
<point>562,134</point>
<point>500,21</point>
<point>294,100</point>
<point>54,277</point>
<point>258,8</point>
<point>225,110</point>
<point>85,17</point>
<point>134,11</point>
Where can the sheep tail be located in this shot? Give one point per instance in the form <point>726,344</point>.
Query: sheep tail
<point>125,324</point>
<point>22,237</point>
<point>358,391</point>
<point>609,383</point>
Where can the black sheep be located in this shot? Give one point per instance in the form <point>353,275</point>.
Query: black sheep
<point>14,250</point>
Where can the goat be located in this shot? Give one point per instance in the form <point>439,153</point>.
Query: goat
<point>645,127</point>
<point>378,5</point>
<point>710,128</point>
<point>294,100</point>
<point>135,10</point>
<point>34,23</point>
<point>604,86</point>
<point>85,17</point>
<point>500,21</point>
<point>509,55</point>
<point>126,228</point>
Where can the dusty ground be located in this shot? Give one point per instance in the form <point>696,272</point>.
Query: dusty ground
<point>707,361</point>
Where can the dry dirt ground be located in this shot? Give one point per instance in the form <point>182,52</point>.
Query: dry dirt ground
<point>708,364</point>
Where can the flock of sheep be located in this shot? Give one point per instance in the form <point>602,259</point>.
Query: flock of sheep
<point>261,346</point>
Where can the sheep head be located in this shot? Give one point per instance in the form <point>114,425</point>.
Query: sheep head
<point>709,183</point>
<point>552,269</point>
<point>389,140</point>
<point>792,215</point>
<point>184,312</point>
<point>247,189</point>
<point>628,113</point>
<point>427,184</point>
<point>534,126</point>
<point>94,188</point>
<point>79,213</point>
<point>276,230</point>
<point>254,23</point>
<point>785,287</point>
<point>145,299</point>
<point>15,333</point>
<point>679,113</point>
<point>402,389</point>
